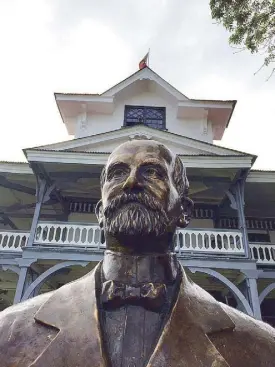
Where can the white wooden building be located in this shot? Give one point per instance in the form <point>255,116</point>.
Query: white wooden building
<point>49,233</point>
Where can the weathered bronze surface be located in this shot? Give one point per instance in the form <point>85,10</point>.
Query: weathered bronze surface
<point>136,308</point>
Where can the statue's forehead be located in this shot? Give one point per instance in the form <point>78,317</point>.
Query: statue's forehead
<point>135,153</point>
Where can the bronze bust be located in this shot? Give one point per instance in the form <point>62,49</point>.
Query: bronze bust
<point>137,308</point>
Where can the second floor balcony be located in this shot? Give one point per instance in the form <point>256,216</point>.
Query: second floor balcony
<point>193,242</point>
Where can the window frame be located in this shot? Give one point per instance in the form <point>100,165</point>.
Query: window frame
<point>143,124</point>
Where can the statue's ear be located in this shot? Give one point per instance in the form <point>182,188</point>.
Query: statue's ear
<point>99,213</point>
<point>186,212</point>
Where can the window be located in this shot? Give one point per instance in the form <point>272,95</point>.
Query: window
<point>150,116</point>
<point>258,237</point>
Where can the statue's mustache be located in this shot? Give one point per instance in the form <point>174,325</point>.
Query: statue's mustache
<point>143,198</point>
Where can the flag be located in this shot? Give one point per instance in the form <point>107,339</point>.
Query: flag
<point>143,63</point>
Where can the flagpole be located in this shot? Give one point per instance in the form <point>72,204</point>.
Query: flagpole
<point>148,57</point>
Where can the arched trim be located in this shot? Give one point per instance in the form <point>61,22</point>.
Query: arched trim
<point>12,268</point>
<point>266,291</point>
<point>43,277</point>
<point>229,284</point>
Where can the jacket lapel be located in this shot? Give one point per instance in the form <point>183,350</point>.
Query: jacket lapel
<point>184,341</point>
<point>72,310</point>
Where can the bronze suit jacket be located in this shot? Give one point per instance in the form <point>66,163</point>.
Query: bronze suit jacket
<point>61,329</point>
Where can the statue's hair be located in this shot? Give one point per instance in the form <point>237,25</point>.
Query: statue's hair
<point>179,177</point>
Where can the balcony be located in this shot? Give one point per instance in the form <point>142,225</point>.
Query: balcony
<point>263,253</point>
<point>210,242</point>
<point>13,240</point>
<point>89,236</point>
<point>189,242</point>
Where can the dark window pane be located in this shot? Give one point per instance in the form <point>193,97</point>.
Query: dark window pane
<point>258,237</point>
<point>150,116</point>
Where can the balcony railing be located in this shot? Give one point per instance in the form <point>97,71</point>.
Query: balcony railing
<point>69,234</point>
<point>13,240</point>
<point>188,241</point>
<point>216,241</point>
<point>263,253</point>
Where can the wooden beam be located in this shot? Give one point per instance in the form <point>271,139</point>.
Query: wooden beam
<point>41,172</point>
<point>52,216</point>
<point>15,186</point>
<point>19,206</point>
<point>8,221</point>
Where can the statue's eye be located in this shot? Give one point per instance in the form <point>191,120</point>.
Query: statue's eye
<point>152,172</point>
<point>117,172</point>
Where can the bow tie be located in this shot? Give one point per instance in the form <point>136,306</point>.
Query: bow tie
<point>150,296</point>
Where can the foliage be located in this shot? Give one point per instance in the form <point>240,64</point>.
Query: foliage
<point>251,24</point>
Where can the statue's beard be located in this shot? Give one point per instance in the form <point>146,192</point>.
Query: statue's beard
<point>135,215</point>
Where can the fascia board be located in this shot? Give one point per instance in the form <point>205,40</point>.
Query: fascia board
<point>264,177</point>
<point>15,168</point>
<point>198,104</point>
<point>101,159</point>
<point>66,157</point>
<point>216,162</point>
<point>83,98</point>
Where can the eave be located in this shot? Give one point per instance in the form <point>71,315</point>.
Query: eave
<point>98,158</point>
<point>15,167</point>
<point>217,112</point>
<point>261,176</point>
<point>72,105</point>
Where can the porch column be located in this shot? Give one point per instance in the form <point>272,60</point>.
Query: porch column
<point>20,284</point>
<point>239,194</point>
<point>24,278</point>
<point>250,289</point>
<point>236,197</point>
<point>254,297</point>
<point>40,194</point>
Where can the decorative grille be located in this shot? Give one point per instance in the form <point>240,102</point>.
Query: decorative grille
<point>81,207</point>
<point>201,213</point>
<point>150,116</point>
<point>251,223</point>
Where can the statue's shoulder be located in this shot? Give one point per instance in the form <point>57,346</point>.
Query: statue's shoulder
<point>247,324</point>
<point>251,343</point>
<point>22,312</point>
<point>19,333</point>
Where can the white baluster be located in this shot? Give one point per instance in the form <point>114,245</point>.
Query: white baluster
<point>48,233</point>
<point>73,236</point>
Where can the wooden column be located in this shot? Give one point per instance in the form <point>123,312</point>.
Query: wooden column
<point>20,284</point>
<point>236,197</point>
<point>250,290</point>
<point>254,297</point>
<point>40,193</point>
<point>239,194</point>
<point>22,281</point>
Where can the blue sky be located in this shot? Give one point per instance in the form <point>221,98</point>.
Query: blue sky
<point>87,46</point>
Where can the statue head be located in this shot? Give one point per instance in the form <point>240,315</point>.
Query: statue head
<point>144,191</point>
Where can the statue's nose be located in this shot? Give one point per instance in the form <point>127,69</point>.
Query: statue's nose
<point>132,182</point>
